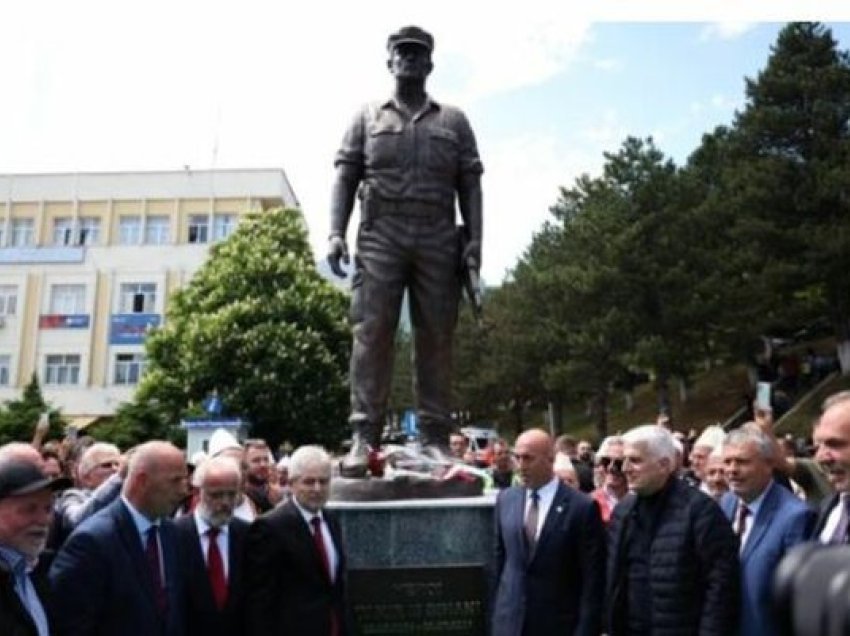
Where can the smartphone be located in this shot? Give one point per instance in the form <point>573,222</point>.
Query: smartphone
<point>763,396</point>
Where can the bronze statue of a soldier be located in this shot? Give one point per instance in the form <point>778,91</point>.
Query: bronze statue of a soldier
<point>408,159</point>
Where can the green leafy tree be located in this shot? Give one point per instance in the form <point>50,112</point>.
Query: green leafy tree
<point>258,324</point>
<point>790,185</point>
<point>136,422</point>
<point>19,417</point>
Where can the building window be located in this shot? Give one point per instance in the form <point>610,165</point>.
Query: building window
<point>137,298</point>
<point>129,230</point>
<point>62,369</point>
<point>67,299</point>
<point>8,300</point>
<point>129,367</point>
<point>23,232</point>
<point>157,230</point>
<point>89,230</point>
<point>223,226</point>
<point>63,231</point>
<point>5,366</point>
<point>199,228</point>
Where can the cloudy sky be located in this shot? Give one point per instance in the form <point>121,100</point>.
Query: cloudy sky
<point>91,85</point>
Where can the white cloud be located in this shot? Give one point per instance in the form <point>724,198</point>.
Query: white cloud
<point>523,176</point>
<point>609,64</point>
<point>608,132</point>
<point>103,87</point>
<point>725,30</point>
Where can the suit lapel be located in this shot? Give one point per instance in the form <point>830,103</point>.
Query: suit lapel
<point>516,514</point>
<point>304,535</point>
<point>129,537</point>
<point>762,521</point>
<point>234,558</point>
<point>198,565</point>
<point>555,513</point>
<point>336,536</point>
<point>823,515</point>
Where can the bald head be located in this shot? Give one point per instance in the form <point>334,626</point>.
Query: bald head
<point>156,479</point>
<point>535,454</point>
<point>22,451</point>
<point>219,479</point>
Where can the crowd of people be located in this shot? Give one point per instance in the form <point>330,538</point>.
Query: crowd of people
<point>650,533</point>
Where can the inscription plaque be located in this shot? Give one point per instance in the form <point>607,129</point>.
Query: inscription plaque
<point>445,601</point>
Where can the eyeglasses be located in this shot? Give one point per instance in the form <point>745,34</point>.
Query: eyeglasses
<point>614,465</point>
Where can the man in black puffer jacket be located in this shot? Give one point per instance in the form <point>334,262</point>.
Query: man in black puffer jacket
<point>673,557</point>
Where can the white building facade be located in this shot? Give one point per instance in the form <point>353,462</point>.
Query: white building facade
<point>88,262</point>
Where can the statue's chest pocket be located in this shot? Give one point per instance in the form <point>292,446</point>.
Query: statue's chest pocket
<point>442,150</point>
<point>383,146</point>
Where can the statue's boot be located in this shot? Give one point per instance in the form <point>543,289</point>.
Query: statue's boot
<point>434,437</point>
<point>355,465</point>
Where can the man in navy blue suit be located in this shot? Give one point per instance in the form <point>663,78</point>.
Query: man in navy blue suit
<point>550,551</point>
<point>211,544</point>
<point>768,519</point>
<point>118,573</point>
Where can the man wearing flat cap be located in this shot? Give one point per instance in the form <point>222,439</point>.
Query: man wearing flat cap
<point>26,510</point>
<point>408,159</point>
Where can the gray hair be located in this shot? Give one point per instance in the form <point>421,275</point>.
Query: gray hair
<point>89,459</point>
<point>611,440</point>
<point>750,432</point>
<point>835,398</point>
<point>306,456</point>
<point>657,441</point>
<point>221,464</point>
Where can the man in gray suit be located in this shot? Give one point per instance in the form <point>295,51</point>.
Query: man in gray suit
<point>550,551</point>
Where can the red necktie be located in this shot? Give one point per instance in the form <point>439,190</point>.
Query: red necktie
<point>215,569</point>
<point>155,565</point>
<point>318,540</point>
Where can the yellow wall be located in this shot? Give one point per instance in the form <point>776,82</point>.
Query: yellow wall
<point>29,316</point>
<point>100,334</point>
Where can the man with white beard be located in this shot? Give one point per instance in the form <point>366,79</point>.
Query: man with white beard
<point>211,543</point>
<point>26,510</point>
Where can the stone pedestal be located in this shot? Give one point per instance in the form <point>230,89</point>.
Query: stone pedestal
<point>419,566</point>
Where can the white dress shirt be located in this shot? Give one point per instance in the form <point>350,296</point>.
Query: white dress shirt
<point>223,541</point>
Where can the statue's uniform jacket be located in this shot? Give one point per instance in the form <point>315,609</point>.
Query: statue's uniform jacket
<point>410,171</point>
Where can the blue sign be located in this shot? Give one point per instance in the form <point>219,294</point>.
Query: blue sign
<point>131,328</point>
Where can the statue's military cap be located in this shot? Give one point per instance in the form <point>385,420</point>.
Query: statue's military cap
<point>410,35</point>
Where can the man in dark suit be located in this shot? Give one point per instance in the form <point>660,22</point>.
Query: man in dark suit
<point>768,519</point>
<point>294,559</point>
<point>118,572</point>
<point>211,542</point>
<point>550,551</point>
<point>26,510</point>
<point>831,436</point>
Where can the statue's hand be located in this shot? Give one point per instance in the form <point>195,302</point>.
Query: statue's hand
<point>337,249</point>
<point>472,254</point>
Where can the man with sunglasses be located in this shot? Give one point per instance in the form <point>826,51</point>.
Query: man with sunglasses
<point>611,484</point>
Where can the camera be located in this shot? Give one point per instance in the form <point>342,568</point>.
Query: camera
<point>811,591</point>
